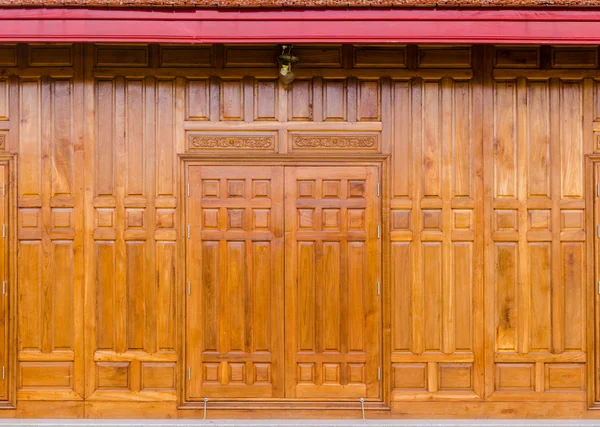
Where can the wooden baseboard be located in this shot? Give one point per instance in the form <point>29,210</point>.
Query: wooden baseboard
<point>399,410</point>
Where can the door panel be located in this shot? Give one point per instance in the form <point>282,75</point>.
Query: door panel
<point>332,270</point>
<point>235,273</point>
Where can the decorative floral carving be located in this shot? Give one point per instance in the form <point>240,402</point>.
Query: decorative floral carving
<point>597,142</point>
<point>312,141</point>
<point>253,142</point>
<point>2,141</point>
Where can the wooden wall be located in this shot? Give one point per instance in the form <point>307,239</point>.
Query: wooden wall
<point>487,280</point>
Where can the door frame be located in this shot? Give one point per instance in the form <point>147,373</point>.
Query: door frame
<point>317,159</point>
<point>592,226</point>
<point>10,161</point>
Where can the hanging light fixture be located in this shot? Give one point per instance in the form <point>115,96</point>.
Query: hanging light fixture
<point>286,62</point>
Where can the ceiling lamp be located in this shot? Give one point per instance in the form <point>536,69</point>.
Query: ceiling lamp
<point>286,61</point>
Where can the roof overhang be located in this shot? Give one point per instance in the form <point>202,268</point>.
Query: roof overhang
<point>502,26</point>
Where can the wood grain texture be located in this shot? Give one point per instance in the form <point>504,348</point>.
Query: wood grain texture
<point>412,225</point>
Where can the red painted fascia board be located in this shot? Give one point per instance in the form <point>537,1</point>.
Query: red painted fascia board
<point>506,26</point>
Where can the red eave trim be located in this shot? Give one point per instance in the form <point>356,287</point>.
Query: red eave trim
<point>511,26</point>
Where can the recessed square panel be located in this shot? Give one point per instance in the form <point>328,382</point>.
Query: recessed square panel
<point>462,219</point>
<point>261,189</point>
<point>135,218</point>
<point>331,189</point>
<point>306,373</point>
<point>210,219</point>
<point>505,220</point>
<point>210,188</point>
<point>306,219</point>
<point>104,218</point>
<point>331,219</point>
<point>539,219</point>
<point>356,219</point>
<point>30,218</point>
<point>62,218</point>
<point>237,372</point>
<point>432,220</point>
<point>235,218</point>
<point>331,373</point>
<point>211,372</point>
<point>165,218</point>
<point>356,189</point>
<point>235,188</point>
<point>306,189</point>
<point>261,218</point>
<point>262,372</point>
<point>401,219</point>
<point>356,373</point>
<point>571,219</point>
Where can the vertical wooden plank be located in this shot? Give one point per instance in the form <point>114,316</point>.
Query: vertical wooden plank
<point>335,102</point>
<point>463,147</point>
<point>538,139</point>
<point>446,154</point>
<point>555,165</point>
<point>369,100</point>
<point>136,302</point>
<point>62,138</point>
<point>121,263</point>
<point>524,288</point>
<point>156,281</point>
<point>432,147</point>
<point>301,100</point>
<point>331,308</point>
<point>432,286</point>
<point>571,139</point>
<point>105,296</point>
<point>417,172</point>
<point>30,279</point>
<point>505,145</point>
<point>30,147</point>
<point>318,100</point>
<point>104,135</point>
<point>63,305</point>
<point>232,100</point>
<point>505,258</point>
<point>463,277</point>
<point>197,99</point>
<point>402,261</point>
<point>402,149</point>
<point>236,295</point>
<point>134,138</point>
<point>46,119</point>
<point>572,282</point>
<point>86,157</point>
<point>476,133</point>
<point>540,282</point>
<point>165,149</point>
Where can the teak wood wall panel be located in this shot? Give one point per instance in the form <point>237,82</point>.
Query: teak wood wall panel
<point>486,261</point>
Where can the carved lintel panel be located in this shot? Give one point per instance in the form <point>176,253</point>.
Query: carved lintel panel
<point>220,142</point>
<point>341,142</point>
<point>2,142</point>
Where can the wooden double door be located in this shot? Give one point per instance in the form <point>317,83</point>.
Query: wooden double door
<point>283,271</point>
